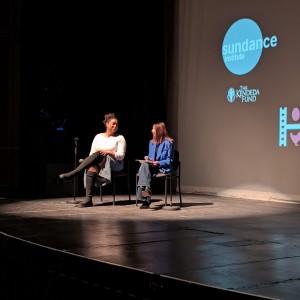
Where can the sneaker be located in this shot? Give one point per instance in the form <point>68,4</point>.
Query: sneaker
<point>85,204</point>
<point>147,192</point>
<point>145,205</point>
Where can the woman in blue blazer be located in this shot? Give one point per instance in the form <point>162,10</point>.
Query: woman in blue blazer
<point>160,156</point>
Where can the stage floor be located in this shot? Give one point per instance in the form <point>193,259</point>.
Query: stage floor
<point>249,246</point>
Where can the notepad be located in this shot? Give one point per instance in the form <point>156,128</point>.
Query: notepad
<point>144,160</point>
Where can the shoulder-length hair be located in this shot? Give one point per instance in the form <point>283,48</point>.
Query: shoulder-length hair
<point>161,133</point>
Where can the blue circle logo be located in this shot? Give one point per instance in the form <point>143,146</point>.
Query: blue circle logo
<point>242,46</point>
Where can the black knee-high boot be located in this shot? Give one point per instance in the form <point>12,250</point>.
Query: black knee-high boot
<point>92,159</point>
<point>89,186</point>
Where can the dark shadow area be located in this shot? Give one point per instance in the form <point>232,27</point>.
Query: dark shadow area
<point>79,62</point>
<point>41,272</point>
<point>120,202</point>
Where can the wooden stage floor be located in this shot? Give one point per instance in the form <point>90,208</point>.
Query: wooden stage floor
<point>246,246</point>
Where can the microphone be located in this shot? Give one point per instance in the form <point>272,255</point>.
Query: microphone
<point>76,139</point>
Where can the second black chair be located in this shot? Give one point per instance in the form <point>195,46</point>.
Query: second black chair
<point>174,174</point>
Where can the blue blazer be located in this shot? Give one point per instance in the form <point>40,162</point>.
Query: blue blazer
<point>164,155</point>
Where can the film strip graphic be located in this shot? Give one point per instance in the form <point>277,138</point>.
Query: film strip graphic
<point>284,127</point>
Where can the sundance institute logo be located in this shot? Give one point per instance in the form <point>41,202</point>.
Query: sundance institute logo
<point>243,45</point>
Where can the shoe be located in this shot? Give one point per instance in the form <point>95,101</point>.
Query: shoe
<point>74,201</point>
<point>60,179</point>
<point>63,179</point>
<point>85,204</point>
<point>145,205</point>
<point>147,192</point>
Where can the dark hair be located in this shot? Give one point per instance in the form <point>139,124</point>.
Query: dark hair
<point>109,117</point>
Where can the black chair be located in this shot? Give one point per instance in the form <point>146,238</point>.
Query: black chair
<point>168,178</point>
<point>114,176</point>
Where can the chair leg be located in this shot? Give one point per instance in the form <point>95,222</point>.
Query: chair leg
<point>166,190</point>
<point>179,190</point>
<point>128,188</point>
<point>136,182</point>
<point>171,190</point>
<point>100,189</point>
<point>114,190</point>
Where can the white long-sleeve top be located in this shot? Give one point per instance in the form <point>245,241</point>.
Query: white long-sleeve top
<point>117,144</point>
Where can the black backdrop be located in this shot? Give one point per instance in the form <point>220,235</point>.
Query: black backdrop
<point>79,62</point>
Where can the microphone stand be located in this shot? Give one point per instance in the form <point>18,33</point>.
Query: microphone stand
<point>75,166</point>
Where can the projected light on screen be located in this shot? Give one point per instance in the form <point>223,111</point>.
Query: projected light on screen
<point>284,126</point>
<point>242,46</point>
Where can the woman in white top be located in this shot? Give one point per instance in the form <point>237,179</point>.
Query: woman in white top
<point>107,152</point>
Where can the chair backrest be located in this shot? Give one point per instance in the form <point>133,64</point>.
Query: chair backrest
<point>175,162</point>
